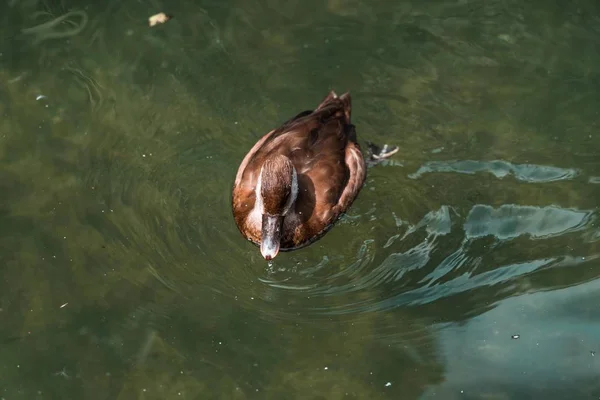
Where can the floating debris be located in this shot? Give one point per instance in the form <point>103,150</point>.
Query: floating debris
<point>159,18</point>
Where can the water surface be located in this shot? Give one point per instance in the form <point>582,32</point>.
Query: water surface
<point>467,268</point>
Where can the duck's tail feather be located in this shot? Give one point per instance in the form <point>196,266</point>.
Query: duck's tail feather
<point>347,100</point>
<point>333,97</point>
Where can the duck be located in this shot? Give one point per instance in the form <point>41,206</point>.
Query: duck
<point>300,178</point>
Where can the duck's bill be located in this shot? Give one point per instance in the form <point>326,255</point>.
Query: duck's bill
<point>271,236</point>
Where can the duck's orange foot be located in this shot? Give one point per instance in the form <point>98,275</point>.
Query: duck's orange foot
<point>377,154</point>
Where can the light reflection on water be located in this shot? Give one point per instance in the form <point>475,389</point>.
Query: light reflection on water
<point>500,169</point>
<point>483,346</point>
<point>505,223</point>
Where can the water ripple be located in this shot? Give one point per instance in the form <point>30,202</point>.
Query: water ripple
<point>509,221</point>
<point>524,172</point>
<point>431,265</point>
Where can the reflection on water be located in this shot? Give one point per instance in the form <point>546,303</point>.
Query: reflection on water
<point>125,277</point>
<point>510,221</point>
<point>443,278</point>
<point>483,346</point>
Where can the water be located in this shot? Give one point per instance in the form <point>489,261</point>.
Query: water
<point>467,269</point>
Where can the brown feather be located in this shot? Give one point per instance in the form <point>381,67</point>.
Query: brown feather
<point>322,146</point>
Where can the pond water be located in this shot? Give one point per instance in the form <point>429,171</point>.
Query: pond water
<point>468,267</point>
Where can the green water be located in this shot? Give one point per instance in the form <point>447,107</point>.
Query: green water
<point>468,268</point>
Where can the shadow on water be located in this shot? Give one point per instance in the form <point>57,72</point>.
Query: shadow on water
<point>467,268</point>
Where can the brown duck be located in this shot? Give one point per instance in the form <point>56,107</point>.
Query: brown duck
<point>298,179</point>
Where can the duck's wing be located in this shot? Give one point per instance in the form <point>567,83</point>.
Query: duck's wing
<point>336,168</point>
<point>337,177</point>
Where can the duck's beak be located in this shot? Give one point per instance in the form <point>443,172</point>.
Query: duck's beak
<point>271,235</point>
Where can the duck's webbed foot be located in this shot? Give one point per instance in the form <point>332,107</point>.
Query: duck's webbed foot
<point>377,154</point>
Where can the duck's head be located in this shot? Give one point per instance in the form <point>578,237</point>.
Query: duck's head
<point>276,193</point>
